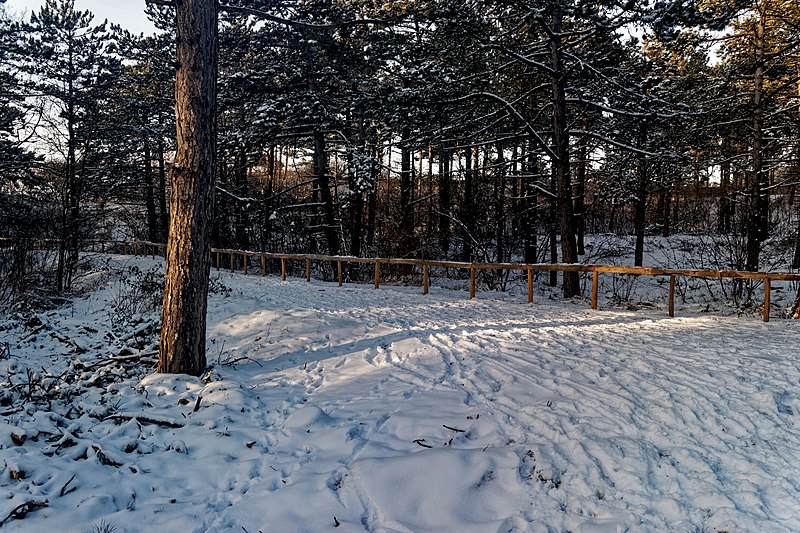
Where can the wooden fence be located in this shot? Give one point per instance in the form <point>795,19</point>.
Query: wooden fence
<point>148,248</point>
<point>527,268</point>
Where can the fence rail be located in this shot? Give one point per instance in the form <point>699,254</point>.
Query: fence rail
<point>149,248</point>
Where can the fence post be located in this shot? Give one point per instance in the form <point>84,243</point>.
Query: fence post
<point>425,281</point>
<point>233,262</point>
<point>595,283</point>
<point>244,259</point>
<point>283,269</point>
<point>672,296</point>
<point>263,265</point>
<point>530,285</point>
<point>377,274</point>
<point>308,269</point>
<point>767,287</point>
<point>217,260</point>
<point>471,282</point>
<point>339,270</point>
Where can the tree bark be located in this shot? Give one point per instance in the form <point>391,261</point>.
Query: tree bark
<point>162,192</point>
<point>758,208</point>
<point>499,204</point>
<point>406,236</point>
<point>445,160</point>
<point>724,222</point>
<point>561,166</point>
<point>325,196</point>
<point>183,326</point>
<point>580,191</point>
<point>149,191</point>
<point>243,190</point>
<point>529,215</point>
<point>640,205</point>
<point>796,256</point>
<point>467,212</point>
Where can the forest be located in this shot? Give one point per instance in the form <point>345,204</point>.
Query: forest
<point>144,393</point>
<point>471,130</point>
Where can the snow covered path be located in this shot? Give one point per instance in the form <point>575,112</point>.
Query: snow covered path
<point>386,411</point>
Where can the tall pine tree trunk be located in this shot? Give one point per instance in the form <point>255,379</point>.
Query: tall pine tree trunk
<point>68,244</point>
<point>243,190</point>
<point>758,207</point>
<point>499,204</point>
<point>561,165</point>
<point>467,212</point>
<point>529,219</point>
<point>406,236</point>
<point>183,319</point>
<point>724,222</point>
<point>445,161</point>
<point>640,205</point>
<point>162,192</point>
<point>325,196</point>
<point>796,257</point>
<point>149,191</point>
<point>552,227</point>
<point>580,192</point>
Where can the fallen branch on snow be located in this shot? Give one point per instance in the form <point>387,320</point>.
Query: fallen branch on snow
<point>146,419</point>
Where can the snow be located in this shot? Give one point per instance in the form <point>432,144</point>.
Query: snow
<point>384,410</point>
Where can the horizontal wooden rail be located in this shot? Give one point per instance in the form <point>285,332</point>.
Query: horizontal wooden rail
<point>529,269</point>
<point>150,248</point>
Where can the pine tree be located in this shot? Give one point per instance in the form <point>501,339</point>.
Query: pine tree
<point>67,57</point>
<point>183,324</point>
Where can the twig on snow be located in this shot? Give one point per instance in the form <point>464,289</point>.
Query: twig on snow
<point>231,362</point>
<point>64,490</point>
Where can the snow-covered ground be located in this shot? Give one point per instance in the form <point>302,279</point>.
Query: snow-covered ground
<point>351,409</point>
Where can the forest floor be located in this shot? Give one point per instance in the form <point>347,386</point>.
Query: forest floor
<point>351,409</point>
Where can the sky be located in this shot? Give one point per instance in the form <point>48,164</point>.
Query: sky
<point>127,13</point>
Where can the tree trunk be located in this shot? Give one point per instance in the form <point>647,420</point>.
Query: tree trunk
<point>499,204</point>
<point>666,211</point>
<point>357,185</point>
<point>467,212</point>
<point>243,190</point>
<point>515,193</point>
<point>323,182</point>
<point>796,205</point>
<point>552,231</point>
<point>162,191</point>
<point>183,320</point>
<point>724,222</point>
<point>372,193</point>
<point>149,192</point>
<point>561,165</point>
<point>219,229</point>
<point>640,206</point>
<point>268,192</point>
<point>580,192</point>
<point>406,237</point>
<point>758,208</point>
<point>445,160</point>
<point>529,218</point>
<point>68,245</point>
